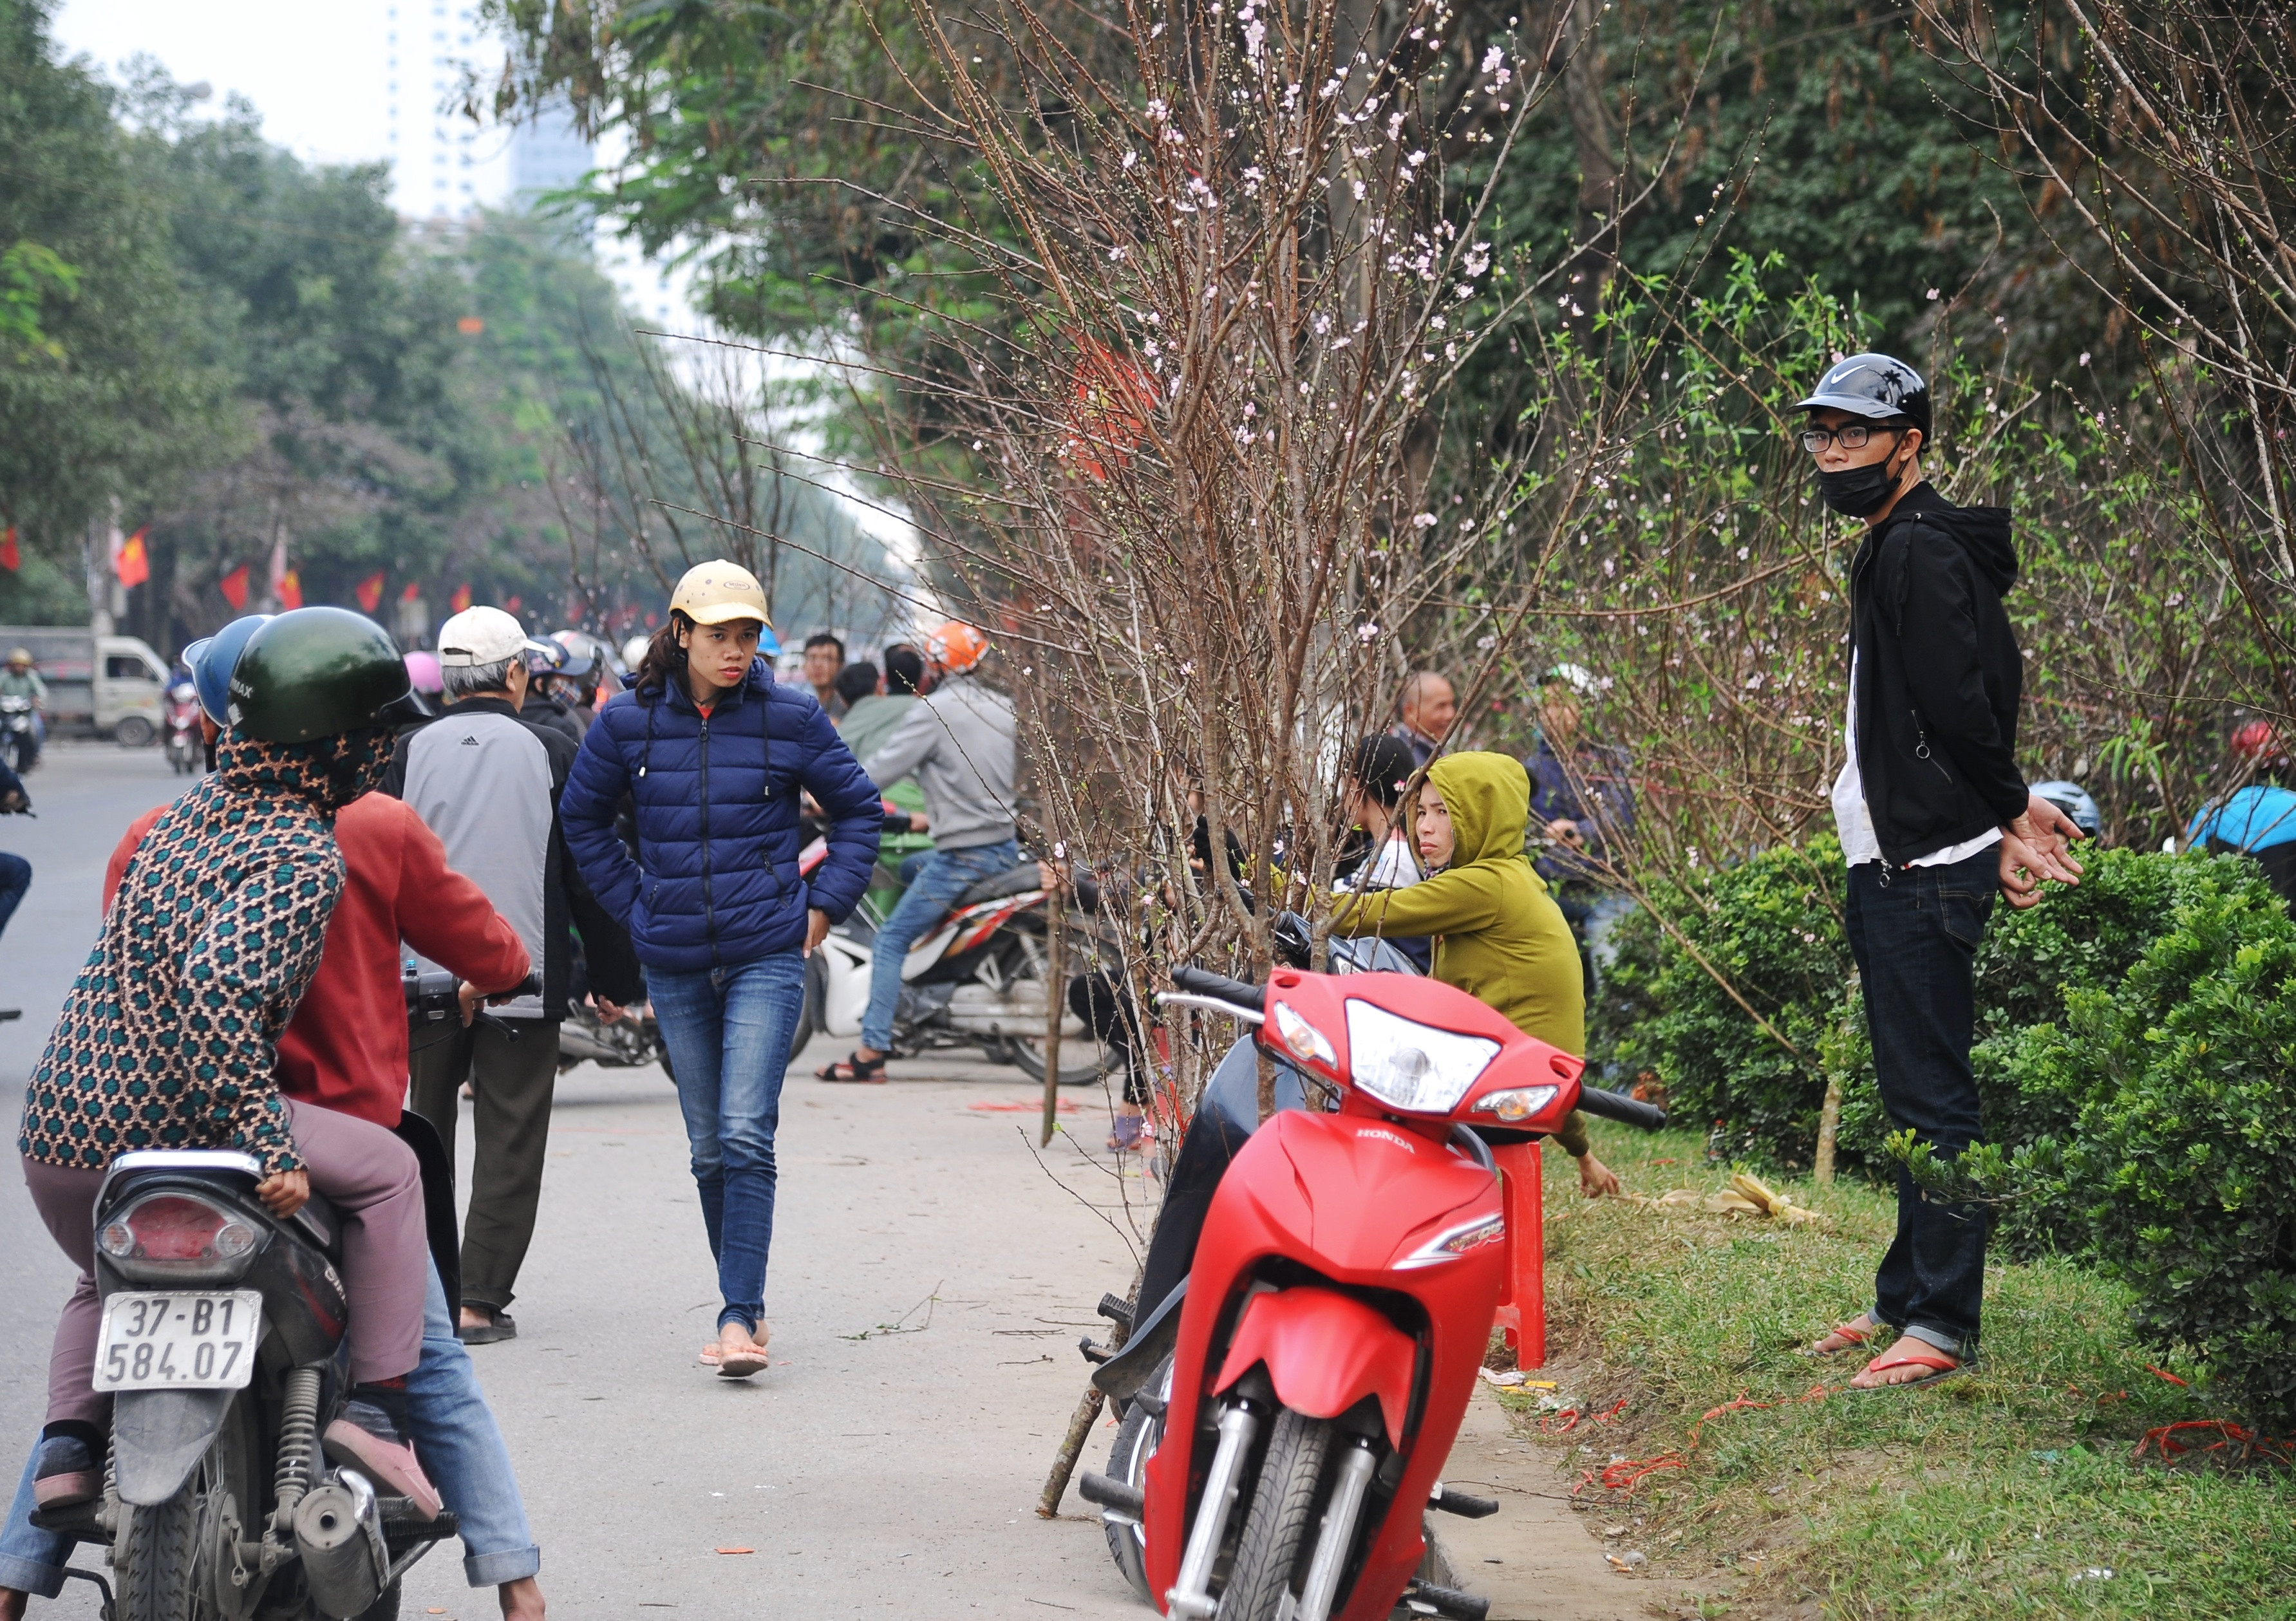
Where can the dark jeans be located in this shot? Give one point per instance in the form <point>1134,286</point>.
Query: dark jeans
<point>514,1083</point>
<point>15,878</point>
<point>935,880</point>
<point>1107,1009</point>
<point>729,1032</point>
<point>1915,932</point>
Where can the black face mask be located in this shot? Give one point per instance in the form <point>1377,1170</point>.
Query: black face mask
<point>1859,492</point>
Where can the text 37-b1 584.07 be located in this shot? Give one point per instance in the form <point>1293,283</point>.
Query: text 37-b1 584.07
<point>178,1340</point>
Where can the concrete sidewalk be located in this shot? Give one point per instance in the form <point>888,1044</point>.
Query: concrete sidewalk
<point>930,1275</point>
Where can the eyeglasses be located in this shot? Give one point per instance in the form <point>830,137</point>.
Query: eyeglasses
<point>1851,436</point>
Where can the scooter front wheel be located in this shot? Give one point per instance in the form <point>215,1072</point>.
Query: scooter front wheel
<point>1271,1560</point>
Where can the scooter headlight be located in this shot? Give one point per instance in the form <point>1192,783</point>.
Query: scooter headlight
<point>1411,1066</point>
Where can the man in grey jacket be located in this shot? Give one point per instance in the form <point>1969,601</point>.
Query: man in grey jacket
<point>962,743</point>
<point>487,779</point>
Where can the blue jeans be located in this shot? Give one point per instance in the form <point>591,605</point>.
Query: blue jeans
<point>940,878</point>
<point>455,1433</point>
<point>15,878</point>
<point>729,1031</point>
<point>1915,932</point>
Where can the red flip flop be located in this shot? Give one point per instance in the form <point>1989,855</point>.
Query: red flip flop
<point>1855,1336</point>
<point>1945,1367</point>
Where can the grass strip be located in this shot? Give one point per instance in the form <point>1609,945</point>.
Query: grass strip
<point>2009,1490</point>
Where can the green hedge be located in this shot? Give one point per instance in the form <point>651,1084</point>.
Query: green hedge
<point>2176,1171</point>
<point>2136,1040</point>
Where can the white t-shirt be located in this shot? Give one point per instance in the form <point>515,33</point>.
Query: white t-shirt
<point>1855,823</point>
<point>1392,866</point>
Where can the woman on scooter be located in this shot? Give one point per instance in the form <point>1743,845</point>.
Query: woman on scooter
<point>169,1038</point>
<point>1499,935</point>
<point>715,757</point>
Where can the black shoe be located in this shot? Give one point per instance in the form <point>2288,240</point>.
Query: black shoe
<point>499,1325</point>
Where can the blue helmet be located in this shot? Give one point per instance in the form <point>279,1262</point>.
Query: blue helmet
<point>2074,800</point>
<point>211,658</point>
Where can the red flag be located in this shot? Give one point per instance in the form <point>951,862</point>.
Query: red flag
<point>1109,415</point>
<point>369,592</point>
<point>412,592</point>
<point>460,598</point>
<point>133,564</point>
<point>290,589</point>
<point>11,559</point>
<point>233,587</point>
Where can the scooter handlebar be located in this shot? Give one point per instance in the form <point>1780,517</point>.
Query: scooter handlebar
<point>1617,1105</point>
<point>1219,987</point>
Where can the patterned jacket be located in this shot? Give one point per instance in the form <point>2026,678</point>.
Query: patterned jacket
<point>170,1034</point>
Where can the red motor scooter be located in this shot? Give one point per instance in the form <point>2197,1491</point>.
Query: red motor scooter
<point>1318,1296</point>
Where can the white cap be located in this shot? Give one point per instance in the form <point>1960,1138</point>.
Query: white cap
<point>477,636</point>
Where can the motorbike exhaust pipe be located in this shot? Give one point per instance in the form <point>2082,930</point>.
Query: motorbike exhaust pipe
<point>338,1534</point>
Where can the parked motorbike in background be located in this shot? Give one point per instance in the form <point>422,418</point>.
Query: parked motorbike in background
<point>222,1344</point>
<point>977,980</point>
<point>1317,1296</point>
<point>183,729</point>
<point>19,744</point>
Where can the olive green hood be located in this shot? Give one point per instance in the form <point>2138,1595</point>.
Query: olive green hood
<point>1498,934</point>
<point>1488,797</point>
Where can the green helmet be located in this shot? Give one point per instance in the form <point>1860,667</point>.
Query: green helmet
<point>316,672</point>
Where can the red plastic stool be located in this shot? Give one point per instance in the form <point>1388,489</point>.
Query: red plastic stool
<point>1523,1309</point>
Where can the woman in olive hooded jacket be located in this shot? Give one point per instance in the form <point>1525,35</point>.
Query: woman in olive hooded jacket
<point>1499,937</point>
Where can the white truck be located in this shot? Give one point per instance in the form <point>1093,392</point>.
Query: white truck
<point>107,686</point>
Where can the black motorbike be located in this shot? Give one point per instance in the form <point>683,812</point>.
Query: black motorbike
<point>223,1348</point>
<point>631,1042</point>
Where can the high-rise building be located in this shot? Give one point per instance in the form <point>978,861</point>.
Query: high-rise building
<point>444,166</point>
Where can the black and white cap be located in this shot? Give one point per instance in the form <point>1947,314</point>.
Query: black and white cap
<point>1872,386</point>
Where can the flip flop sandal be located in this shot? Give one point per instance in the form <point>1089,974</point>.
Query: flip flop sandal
<point>498,1327</point>
<point>742,1363</point>
<point>1855,1336</point>
<point>1127,1133</point>
<point>1944,1369</point>
<point>858,1071</point>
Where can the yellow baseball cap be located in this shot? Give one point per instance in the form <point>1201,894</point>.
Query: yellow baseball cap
<point>717,591</point>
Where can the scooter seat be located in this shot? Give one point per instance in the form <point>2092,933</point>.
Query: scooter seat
<point>1019,880</point>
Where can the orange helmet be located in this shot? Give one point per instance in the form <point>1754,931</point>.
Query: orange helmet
<point>2256,740</point>
<point>957,647</point>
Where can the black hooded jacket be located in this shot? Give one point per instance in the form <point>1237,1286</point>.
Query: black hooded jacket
<point>1938,675</point>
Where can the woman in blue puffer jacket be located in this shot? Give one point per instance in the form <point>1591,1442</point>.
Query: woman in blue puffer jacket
<point>716,755</point>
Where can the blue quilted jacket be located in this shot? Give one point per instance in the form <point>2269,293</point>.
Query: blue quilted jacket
<point>715,883</point>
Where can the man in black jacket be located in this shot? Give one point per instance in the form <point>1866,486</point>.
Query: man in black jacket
<point>1934,815</point>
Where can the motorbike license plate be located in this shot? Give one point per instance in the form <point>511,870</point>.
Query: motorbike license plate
<point>178,1340</point>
